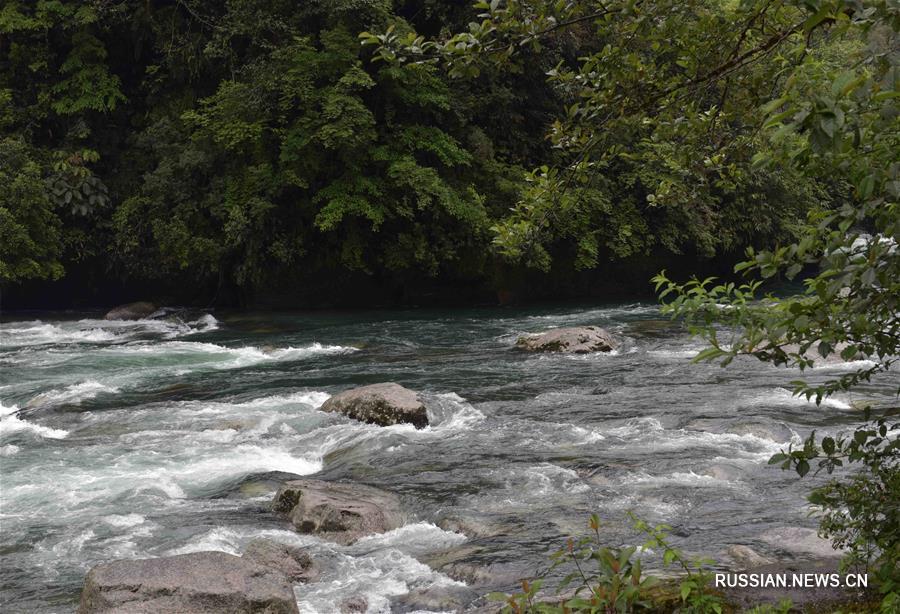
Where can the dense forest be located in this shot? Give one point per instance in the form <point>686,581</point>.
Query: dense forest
<point>243,148</point>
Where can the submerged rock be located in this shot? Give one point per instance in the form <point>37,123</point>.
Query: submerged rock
<point>131,311</point>
<point>294,562</point>
<point>437,598</point>
<point>800,540</point>
<point>353,604</point>
<point>382,404</point>
<point>200,582</point>
<point>746,557</point>
<point>338,511</point>
<point>577,340</point>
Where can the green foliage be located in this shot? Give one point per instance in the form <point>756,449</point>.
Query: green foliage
<point>245,140</point>
<point>248,139</point>
<point>843,122</point>
<point>861,514</point>
<point>659,128</point>
<point>30,243</point>
<point>611,580</point>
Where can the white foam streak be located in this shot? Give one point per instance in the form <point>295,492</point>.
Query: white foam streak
<point>72,394</point>
<point>688,478</point>
<point>10,424</point>
<point>782,396</point>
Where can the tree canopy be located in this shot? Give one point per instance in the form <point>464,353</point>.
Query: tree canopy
<point>249,140</point>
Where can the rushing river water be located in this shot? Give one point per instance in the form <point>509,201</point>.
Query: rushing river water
<point>148,438</point>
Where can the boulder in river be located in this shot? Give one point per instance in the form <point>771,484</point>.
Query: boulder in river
<point>131,311</point>
<point>356,603</point>
<point>575,340</point>
<point>292,561</point>
<point>746,557</point>
<point>199,582</point>
<point>341,512</point>
<point>383,404</point>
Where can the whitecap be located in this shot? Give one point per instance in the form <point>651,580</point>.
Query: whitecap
<point>41,333</point>
<point>73,394</point>
<point>10,423</point>
<point>123,520</point>
<point>688,478</point>
<point>377,577</point>
<point>850,365</point>
<point>451,412</point>
<point>413,539</point>
<point>686,353</point>
<point>782,396</point>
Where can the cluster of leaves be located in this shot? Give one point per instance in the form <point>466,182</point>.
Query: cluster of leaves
<point>860,514</point>
<point>245,139</point>
<point>249,140</point>
<point>659,129</point>
<point>609,580</point>
<point>845,122</point>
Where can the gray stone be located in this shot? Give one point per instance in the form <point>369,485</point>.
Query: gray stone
<point>800,540</point>
<point>131,311</point>
<point>382,404</point>
<point>354,604</point>
<point>577,340</point>
<point>200,583</point>
<point>746,557</point>
<point>338,511</point>
<point>294,562</point>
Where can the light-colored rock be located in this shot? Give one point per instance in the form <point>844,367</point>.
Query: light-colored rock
<point>576,340</point>
<point>200,583</point>
<point>131,311</point>
<point>382,404</point>
<point>800,540</point>
<point>295,563</point>
<point>341,512</point>
<point>746,557</point>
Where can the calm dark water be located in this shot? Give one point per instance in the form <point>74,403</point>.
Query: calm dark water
<point>151,438</point>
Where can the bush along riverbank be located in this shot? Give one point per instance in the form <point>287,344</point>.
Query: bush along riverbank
<point>603,579</point>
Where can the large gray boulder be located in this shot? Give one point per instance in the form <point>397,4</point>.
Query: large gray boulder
<point>294,562</point>
<point>200,583</point>
<point>382,404</point>
<point>576,340</point>
<point>131,311</point>
<point>338,511</point>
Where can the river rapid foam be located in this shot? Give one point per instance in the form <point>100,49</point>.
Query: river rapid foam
<point>158,437</point>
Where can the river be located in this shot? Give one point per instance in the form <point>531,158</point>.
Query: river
<point>148,438</point>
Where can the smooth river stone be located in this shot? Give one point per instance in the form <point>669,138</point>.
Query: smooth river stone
<point>131,311</point>
<point>199,582</point>
<point>382,404</point>
<point>577,340</point>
